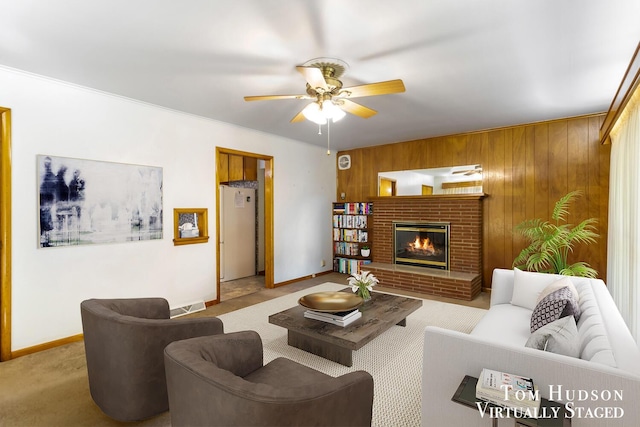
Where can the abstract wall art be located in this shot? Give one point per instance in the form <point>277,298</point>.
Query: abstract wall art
<point>83,202</point>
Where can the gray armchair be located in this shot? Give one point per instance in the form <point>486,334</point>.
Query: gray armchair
<point>124,341</point>
<point>221,381</point>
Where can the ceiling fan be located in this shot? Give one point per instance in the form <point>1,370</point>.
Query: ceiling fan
<point>469,170</point>
<point>330,99</point>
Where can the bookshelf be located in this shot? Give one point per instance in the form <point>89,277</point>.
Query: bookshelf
<point>352,237</point>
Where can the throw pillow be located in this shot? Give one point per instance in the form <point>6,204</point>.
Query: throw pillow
<point>527,286</point>
<point>565,281</point>
<point>557,304</point>
<point>560,337</point>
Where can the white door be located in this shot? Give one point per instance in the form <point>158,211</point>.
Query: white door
<point>237,233</point>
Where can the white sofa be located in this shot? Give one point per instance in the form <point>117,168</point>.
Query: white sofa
<point>498,342</point>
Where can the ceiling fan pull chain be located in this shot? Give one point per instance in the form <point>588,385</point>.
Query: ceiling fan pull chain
<point>319,129</point>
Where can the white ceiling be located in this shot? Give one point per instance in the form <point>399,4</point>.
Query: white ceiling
<point>466,64</point>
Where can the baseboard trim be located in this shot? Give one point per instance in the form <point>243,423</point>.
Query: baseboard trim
<point>80,337</point>
<point>300,279</point>
<point>277,285</point>
<point>46,346</point>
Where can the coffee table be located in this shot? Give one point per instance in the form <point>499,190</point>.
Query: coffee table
<point>336,343</point>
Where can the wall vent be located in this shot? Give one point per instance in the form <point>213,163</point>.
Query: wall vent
<point>187,309</point>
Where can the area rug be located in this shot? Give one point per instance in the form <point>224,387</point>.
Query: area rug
<point>394,359</point>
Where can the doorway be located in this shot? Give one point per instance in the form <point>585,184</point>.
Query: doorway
<point>239,169</point>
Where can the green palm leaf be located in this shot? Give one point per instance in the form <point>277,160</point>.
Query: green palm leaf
<point>561,209</point>
<point>550,244</point>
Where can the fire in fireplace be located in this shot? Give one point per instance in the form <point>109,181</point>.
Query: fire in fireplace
<point>422,244</point>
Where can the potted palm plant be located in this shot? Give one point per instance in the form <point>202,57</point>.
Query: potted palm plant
<point>551,242</point>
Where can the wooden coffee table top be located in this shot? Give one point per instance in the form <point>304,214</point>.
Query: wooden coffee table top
<point>380,313</point>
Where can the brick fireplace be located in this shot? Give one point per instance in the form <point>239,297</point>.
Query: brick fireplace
<point>463,213</point>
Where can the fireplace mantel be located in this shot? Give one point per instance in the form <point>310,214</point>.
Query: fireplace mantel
<point>470,196</point>
<point>464,214</point>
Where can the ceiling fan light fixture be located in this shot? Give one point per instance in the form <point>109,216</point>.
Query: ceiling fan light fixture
<point>313,112</point>
<point>332,111</point>
<point>320,113</point>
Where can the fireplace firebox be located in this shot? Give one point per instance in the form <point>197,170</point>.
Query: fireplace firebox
<point>422,244</point>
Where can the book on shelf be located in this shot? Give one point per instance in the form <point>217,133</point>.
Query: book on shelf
<point>349,221</point>
<point>343,321</point>
<point>505,389</point>
<point>348,266</point>
<point>344,248</point>
<point>362,208</point>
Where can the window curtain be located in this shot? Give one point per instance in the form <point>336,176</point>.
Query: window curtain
<point>623,253</point>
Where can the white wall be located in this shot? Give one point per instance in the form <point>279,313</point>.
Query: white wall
<point>408,183</point>
<point>54,118</point>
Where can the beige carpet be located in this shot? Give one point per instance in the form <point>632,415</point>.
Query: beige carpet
<point>56,392</point>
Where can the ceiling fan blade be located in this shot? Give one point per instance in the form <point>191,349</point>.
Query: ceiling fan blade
<point>356,109</point>
<point>314,77</point>
<point>476,169</point>
<point>270,97</point>
<point>371,89</point>
<point>298,118</point>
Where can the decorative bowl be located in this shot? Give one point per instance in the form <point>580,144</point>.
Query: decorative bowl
<point>331,302</point>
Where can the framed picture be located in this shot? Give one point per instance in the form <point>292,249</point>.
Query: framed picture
<point>83,202</point>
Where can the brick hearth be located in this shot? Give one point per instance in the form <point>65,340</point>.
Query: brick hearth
<point>463,212</point>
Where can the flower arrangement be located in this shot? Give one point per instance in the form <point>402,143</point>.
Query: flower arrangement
<point>362,284</point>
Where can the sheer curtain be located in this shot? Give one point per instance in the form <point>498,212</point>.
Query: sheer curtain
<point>623,254</point>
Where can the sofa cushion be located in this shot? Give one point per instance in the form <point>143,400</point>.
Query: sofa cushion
<point>557,304</point>
<point>528,285</point>
<point>559,336</point>
<point>565,281</point>
<point>592,335</point>
<point>504,323</point>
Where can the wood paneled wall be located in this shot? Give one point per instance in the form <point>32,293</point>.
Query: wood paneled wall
<point>526,169</point>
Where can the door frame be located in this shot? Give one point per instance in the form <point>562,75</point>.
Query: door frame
<point>268,215</point>
<point>5,234</point>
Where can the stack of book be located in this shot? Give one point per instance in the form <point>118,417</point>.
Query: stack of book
<point>508,390</point>
<point>349,266</point>
<point>342,318</point>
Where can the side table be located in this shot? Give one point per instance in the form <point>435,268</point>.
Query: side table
<point>466,395</point>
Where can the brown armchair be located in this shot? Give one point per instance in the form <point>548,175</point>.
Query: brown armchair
<point>124,342</point>
<point>221,381</point>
